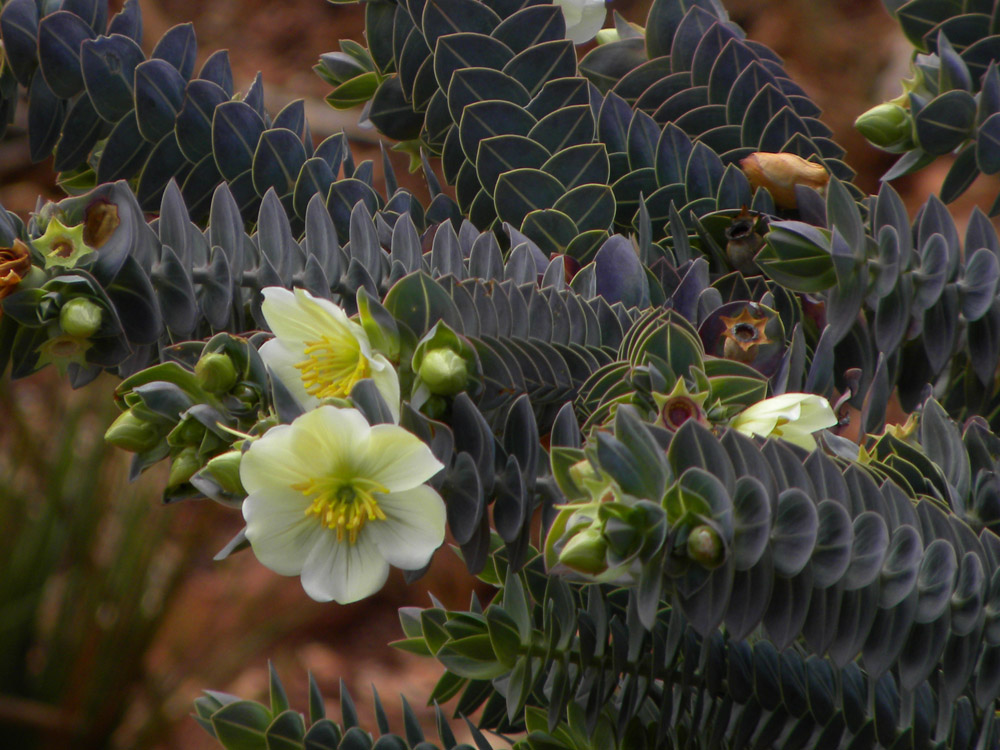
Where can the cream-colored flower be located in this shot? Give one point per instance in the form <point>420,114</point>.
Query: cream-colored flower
<point>584,18</point>
<point>791,416</point>
<point>318,352</point>
<point>337,501</point>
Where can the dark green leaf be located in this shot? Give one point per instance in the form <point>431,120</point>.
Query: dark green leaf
<point>392,114</point>
<point>521,191</point>
<point>484,120</point>
<point>476,84</point>
<point>945,122</point>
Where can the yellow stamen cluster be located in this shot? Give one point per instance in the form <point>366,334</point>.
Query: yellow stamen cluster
<point>333,367</point>
<point>343,506</point>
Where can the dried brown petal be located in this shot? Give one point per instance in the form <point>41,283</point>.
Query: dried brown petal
<point>780,173</point>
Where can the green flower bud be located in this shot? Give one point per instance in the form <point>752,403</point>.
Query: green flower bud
<point>585,552</point>
<point>183,467</point>
<point>581,472</point>
<point>131,433</point>
<point>225,470</point>
<point>188,431</point>
<point>216,372</point>
<point>704,546</point>
<point>887,125</point>
<point>81,318</point>
<point>607,36</point>
<point>444,372</point>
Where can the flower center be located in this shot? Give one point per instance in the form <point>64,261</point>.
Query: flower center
<point>343,506</point>
<point>745,333</point>
<point>677,411</point>
<point>62,249</point>
<point>332,366</point>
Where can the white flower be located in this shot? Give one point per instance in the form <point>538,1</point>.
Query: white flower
<point>337,501</point>
<point>318,352</point>
<point>791,416</point>
<point>584,18</point>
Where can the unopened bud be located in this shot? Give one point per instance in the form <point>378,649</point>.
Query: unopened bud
<point>607,36</point>
<point>183,467</point>
<point>582,472</point>
<point>225,470</point>
<point>189,431</point>
<point>444,372</point>
<point>131,433</point>
<point>585,552</point>
<point>81,318</point>
<point>216,372</point>
<point>887,125</point>
<point>704,546</point>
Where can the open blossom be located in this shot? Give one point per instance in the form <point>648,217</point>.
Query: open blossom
<point>318,352</point>
<point>791,416</point>
<point>337,501</point>
<point>584,18</point>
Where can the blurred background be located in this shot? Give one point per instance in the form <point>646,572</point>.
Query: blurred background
<point>113,615</point>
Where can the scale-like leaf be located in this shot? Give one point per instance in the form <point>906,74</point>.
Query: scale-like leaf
<point>945,122</point>
<point>521,191</point>
<point>60,36</point>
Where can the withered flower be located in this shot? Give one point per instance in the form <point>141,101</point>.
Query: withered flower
<point>780,173</point>
<point>100,220</point>
<point>15,263</point>
<point>744,334</point>
<point>743,242</point>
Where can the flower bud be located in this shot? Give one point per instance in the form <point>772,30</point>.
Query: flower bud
<point>582,472</point>
<point>216,372</point>
<point>886,125</point>
<point>81,318</point>
<point>704,546</point>
<point>132,433</point>
<point>225,470</point>
<point>183,467</point>
<point>780,173</point>
<point>189,431</point>
<point>444,371</point>
<point>607,36</point>
<point>585,552</point>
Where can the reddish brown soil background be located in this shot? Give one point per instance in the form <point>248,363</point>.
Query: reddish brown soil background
<point>230,617</point>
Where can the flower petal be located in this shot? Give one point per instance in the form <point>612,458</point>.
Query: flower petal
<point>273,462</point>
<point>584,18</point>
<point>396,459</point>
<point>343,572</point>
<point>799,438</point>
<point>329,440</point>
<point>755,425</point>
<point>815,413</point>
<point>282,360</point>
<point>289,316</point>
<point>413,529</point>
<point>279,530</point>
